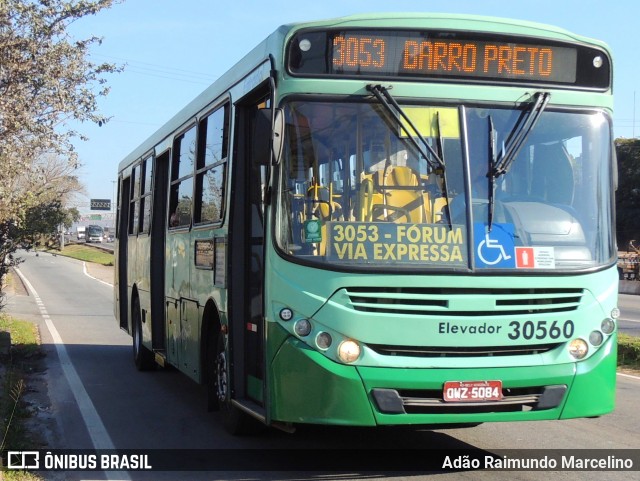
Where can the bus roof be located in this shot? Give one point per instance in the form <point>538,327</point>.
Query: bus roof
<point>274,45</point>
<point>450,22</point>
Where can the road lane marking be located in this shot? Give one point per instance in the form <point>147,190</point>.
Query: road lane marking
<point>86,273</point>
<point>629,375</point>
<point>97,431</point>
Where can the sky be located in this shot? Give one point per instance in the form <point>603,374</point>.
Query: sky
<point>173,49</point>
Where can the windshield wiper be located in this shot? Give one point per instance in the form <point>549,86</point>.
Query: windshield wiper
<point>520,133</point>
<point>434,158</point>
<point>493,137</point>
<point>443,172</point>
<point>400,116</point>
<point>516,140</point>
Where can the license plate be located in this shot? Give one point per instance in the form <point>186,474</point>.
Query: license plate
<point>472,391</point>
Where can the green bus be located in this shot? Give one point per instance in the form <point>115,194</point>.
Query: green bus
<point>383,220</point>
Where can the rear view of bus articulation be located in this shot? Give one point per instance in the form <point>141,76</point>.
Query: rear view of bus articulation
<point>383,220</point>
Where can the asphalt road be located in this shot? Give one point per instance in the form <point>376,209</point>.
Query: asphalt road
<point>629,314</point>
<point>97,399</point>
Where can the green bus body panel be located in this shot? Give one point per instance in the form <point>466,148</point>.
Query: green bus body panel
<point>179,260</point>
<point>339,394</point>
<point>309,388</point>
<point>320,296</point>
<point>594,390</point>
<point>303,380</point>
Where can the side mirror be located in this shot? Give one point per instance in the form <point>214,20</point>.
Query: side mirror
<point>278,136</point>
<point>267,136</point>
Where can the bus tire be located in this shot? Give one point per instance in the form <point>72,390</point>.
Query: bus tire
<point>142,356</point>
<point>235,421</point>
<point>213,402</point>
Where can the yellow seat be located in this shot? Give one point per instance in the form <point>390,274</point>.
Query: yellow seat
<point>323,203</point>
<point>326,209</point>
<point>398,196</point>
<point>439,206</point>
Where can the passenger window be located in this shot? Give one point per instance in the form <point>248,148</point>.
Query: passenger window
<point>181,197</point>
<point>212,167</point>
<point>134,201</point>
<point>145,196</point>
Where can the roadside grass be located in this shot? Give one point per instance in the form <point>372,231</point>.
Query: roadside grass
<point>85,253</point>
<point>15,368</point>
<point>628,352</point>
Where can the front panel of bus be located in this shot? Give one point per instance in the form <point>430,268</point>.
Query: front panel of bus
<point>442,240</point>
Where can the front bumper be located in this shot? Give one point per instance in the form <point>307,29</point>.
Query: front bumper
<point>306,387</point>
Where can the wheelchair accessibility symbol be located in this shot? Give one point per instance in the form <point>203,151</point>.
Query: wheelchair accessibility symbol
<point>495,248</point>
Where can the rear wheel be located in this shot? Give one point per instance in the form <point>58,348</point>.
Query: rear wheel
<point>142,356</point>
<point>213,401</point>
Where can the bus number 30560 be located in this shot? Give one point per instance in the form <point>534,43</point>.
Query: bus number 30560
<point>541,330</point>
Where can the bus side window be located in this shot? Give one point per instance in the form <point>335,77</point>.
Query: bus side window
<point>134,202</point>
<point>181,198</point>
<point>211,169</point>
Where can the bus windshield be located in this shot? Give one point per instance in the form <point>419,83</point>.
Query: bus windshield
<point>95,230</point>
<point>356,189</point>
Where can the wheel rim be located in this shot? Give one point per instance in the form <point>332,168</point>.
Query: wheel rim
<point>136,333</point>
<point>221,377</point>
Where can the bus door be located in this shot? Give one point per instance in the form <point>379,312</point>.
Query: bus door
<point>246,264</point>
<point>123,238</point>
<point>158,238</point>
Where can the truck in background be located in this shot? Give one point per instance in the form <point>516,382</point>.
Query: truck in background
<point>81,232</point>
<point>629,263</point>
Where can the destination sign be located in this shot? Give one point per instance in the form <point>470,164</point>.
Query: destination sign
<point>447,55</point>
<point>388,243</point>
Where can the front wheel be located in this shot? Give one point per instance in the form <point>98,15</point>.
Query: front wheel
<point>234,420</point>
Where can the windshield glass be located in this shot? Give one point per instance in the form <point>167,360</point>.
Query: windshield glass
<point>356,191</point>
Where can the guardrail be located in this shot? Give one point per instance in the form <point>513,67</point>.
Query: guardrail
<point>98,246</point>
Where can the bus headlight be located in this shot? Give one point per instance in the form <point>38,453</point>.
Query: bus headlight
<point>596,338</point>
<point>348,351</point>
<point>578,348</point>
<point>323,340</point>
<point>607,326</point>
<point>302,327</point>
<point>615,313</point>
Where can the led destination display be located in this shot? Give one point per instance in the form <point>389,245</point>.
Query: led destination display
<point>394,55</point>
<point>444,55</point>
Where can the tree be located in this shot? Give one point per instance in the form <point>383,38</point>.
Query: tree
<point>628,194</point>
<point>71,216</point>
<point>46,80</point>
<point>42,220</point>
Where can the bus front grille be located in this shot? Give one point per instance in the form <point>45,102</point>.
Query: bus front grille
<point>453,302</point>
<point>461,351</point>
